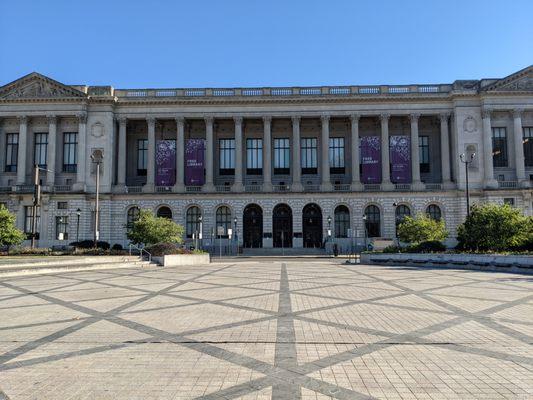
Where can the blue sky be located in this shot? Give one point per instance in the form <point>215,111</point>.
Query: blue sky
<point>203,43</point>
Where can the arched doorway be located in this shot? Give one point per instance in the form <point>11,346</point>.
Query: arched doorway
<point>282,226</point>
<point>252,226</point>
<point>312,226</point>
<point>164,212</point>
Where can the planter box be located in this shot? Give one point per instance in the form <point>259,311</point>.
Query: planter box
<point>182,259</point>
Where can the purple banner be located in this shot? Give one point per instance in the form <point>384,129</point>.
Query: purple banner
<point>194,162</point>
<point>371,159</point>
<point>400,157</point>
<point>165,163</point>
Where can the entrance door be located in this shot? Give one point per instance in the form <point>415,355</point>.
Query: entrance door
<point>282,226</point>
<point>253,226</point>
<point>312,226</point>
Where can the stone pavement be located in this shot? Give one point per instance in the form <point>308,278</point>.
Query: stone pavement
<point>262,329</point>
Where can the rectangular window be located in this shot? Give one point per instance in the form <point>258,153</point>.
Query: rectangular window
<point>509,200</point>
<point>41,147</point>
<point>12,149</point>
<point>528,146</point>
<point>62,205</point>
<point>62,228</point>
<point>309,155</point>
<point>70,145</point>
<point>28,220</point>
<point>423,151</point>
<point>142,156</point>
<point>282,156</point>
<point>499,147</point>
<point>336,155</point>
<point>227,156</point>
<point>254,156</point>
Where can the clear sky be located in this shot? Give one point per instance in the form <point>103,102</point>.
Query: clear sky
<point>224,43</point>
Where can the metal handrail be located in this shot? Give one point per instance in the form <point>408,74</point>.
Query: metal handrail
<point>141,250</point>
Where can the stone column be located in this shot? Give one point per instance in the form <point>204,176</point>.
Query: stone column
<point>21,157</point>
<point>122,151</point>
<point>237,184</point>
<point>51,151</point>
<point>445,151</point>
<point>489,181</point>
<point>385,153</point>
<point>356,178</point>
<point>267,154</point>
<point>209,149</point>
<point>180,155</point>
<point>415,156</point>
<point>519,148</point>
<point>296,167</point>
<point>81,150</point>
<point>326,180</point>
<point>150,170</point>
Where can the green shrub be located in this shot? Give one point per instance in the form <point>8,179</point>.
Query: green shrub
<point>433,246</point>
<point>10,235</point>
<point>493,227</point>
<point>149,230</point>
<point>421,229</point>
<point>392,249</point>
<point>165,249</point>
<point>28,251</point>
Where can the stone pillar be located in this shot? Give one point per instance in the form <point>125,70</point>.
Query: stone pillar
<point>180,155</point>
<point>445,151</point>
<point>122,151</point>
<point>385,153</point>
<point>324,146</point>
<point>209,149</point>
<point>81,152</point>
<point>267,154</point>
<point>296,167</point>
<point>51,151</point>
<point>415,156</point>
<point>519,148</point>
<point>489,180</point>
<point>356,179</point>
<point>21,157</point>
<point>150,170</point>
<point>237,184</point>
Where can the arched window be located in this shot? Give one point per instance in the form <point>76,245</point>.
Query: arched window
<point>223,219</point>
<point>373,221</point>
<point>402,211</point>
<point>342,221</point>
<point>433,212</point>
<point>164,212</point>
<point>192,219</point>
<point>132,216</point>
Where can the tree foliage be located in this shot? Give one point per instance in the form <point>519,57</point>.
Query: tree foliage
<point>10,235</point>
<point>149,230</point>
<point>493,227</point>
<point>421,229</point>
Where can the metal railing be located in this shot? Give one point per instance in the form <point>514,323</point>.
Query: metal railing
<point>134,189</point>
<point>141,251</point>
<point>62,188</point>
<point>6,189</point>
<point>433,186</point>
<point>25,188</point>
<point>223,188</point>
<point>312,188</point>
<point>253,188</point>
<point>163,189</point>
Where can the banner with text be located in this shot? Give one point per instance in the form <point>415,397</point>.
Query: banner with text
<point>194,162</point>
<point>165,161</point>
<point>371,159</point>
<point>400,157</point>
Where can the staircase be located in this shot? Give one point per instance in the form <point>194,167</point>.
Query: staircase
<point>277,252</point>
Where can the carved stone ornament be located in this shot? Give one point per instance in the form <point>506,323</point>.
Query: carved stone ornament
<point>36,86</point>
<point>470,124</point>
<point>97,130</point>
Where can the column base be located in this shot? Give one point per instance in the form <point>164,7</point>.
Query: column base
<point>237,187</point>
<point>267,187</point>
<point>524,183</point>
<point>448,185</point>
<point>208,188</point>
<point>326,187</point>
<point>387,186</point>
<point>297,187</point>
<point>356,186</point>
<point>80,187</point>
<point>148,188</point>
<point>178,188</point>
<point>418,186</point>
<point>491,184</point>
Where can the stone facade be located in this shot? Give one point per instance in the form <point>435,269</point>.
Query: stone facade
<point>454,119</point>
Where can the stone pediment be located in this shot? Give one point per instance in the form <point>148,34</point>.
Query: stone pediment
<point>37,86</point>
<point>521,81</point>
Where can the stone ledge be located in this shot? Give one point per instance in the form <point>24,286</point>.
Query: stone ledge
<point>175,260</point>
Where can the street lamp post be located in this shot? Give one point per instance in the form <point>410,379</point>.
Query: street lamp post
<point>97,157</point>
<point>364,230</point>
<point>78,215</point>
<point>467,162</point>
<point>329,229</point>
<point>199,233</point>
<point>235,238</point>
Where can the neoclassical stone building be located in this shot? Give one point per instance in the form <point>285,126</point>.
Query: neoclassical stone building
<point>281,167</point>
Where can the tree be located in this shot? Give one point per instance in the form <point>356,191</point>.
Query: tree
<point>10,235</point>
<point>421,229</point>
<point>149,230</point>
<point>494,227</point>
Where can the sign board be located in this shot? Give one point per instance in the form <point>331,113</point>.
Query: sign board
<point>194,162</point>
<point>371,159</point>
<point>400,157</point>
<point>165,160</point>
<point>230,231</point>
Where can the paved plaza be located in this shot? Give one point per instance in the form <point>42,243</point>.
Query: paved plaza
<point>267,329</point>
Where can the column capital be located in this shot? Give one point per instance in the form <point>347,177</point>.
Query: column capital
<point>23,119</point>
<point>267,119</point>
<point>180,120</point>
<point>325,118</point>
<point>444,117</point>
<point>296,119</point>
<point>52,119</point>
<point>413,117</point>
<point>209,120</point>
<point>237,120</point>
<point>384,117</point>
<point>122,120</point>
<point>82,117</point>
<point>355,118</point>
<point>486,112</point>
<point>517,112</point>
<point>150,121</point>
